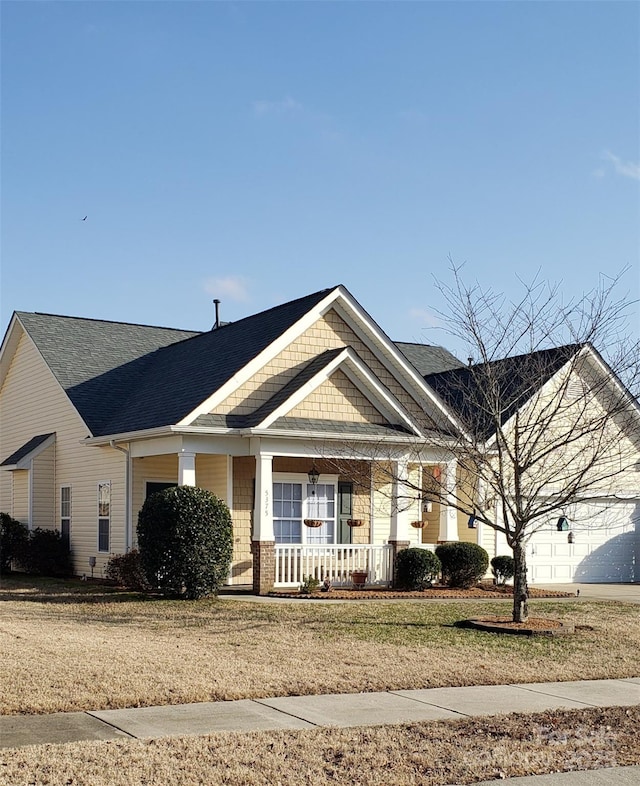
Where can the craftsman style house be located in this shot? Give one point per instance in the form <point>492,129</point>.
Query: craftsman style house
<point>306,419</point>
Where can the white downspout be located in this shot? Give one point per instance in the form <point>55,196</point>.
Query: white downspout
<point>128,532</point>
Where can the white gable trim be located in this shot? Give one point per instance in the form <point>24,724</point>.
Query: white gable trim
<point>365,328</point>
<point>9,345</point>
<point>356,371</point>
<point>260,360</point>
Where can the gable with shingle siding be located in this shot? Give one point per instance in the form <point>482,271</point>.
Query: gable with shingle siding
<point>329,332</point>
<point>342,399</point>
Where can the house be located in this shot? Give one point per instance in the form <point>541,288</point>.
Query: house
<point>306,412</point>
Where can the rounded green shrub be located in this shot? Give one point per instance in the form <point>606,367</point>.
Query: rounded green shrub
<point>463,564</point>
<point>13,541</point>
<point>416,569</point>
<point>185,541</point>
<point>46,554</point>
<point>503,568</point>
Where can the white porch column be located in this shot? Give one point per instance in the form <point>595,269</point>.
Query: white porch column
<point>448,514</point>
<point>263,510</point>
<point>186,469</point>
<point>400,503</point>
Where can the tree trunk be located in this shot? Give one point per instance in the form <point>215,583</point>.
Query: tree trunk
<point>520,587</point>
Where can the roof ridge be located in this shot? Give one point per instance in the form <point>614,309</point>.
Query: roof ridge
<point>106,321</point>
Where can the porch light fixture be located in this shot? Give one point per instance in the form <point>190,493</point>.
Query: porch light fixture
<point>562,524</point>
<point>570,537</point>
<point>313,475</point>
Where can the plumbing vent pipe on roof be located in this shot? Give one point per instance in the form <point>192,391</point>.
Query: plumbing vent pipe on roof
<point>216,324</point>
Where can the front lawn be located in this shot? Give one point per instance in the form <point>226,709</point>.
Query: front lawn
<point>72,646</point>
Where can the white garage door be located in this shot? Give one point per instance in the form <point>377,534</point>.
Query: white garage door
<point>606,546</point>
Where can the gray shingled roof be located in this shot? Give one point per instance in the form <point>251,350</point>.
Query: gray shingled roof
<point>123,377</point>
<point>428,359</point>
<point>27,448</point>
<point>467,389</point>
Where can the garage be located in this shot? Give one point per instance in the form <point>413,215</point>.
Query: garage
<point>601,544</point>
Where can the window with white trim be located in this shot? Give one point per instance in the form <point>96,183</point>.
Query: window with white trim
<point>104,515</point>
<point>65,515</point>
<point>294,500</point>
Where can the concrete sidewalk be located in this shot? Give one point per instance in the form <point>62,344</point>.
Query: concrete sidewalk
<point>306,712</point>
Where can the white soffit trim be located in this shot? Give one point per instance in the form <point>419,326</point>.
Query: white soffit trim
<point>361,376</point>
<point>267,354</point>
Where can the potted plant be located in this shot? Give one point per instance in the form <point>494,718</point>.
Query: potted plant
<point>355,522</point>
<point>418,524</point>
<point>313,522</point>
<point>359,578</point>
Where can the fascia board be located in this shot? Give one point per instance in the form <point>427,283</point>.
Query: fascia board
<point>600,362</point>
<point>9,345</point>
<point>355,317</point>
<point>260,360</point>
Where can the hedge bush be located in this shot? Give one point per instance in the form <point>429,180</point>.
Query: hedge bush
<point>416,569</point>
<point>13,541</point>
<point>126,571</point>
<point>46,554</point>
<point>185,541</point>
<point>463,564</point>
<point>503,568</point>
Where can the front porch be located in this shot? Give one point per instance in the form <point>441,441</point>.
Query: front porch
<point>337,563</point>
<point>275,487</point>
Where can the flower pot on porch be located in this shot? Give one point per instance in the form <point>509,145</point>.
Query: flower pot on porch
<point>418,524</point>
<point>359,578</point>
<point>313,522</point>
<point>355,522</point>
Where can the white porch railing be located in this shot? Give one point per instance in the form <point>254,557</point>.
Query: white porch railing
<point>335,562</point>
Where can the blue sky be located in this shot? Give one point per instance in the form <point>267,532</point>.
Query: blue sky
<point>257,152</point>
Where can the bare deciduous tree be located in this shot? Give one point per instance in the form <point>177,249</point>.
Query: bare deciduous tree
<point>547,410</point>
<point>547,420</point>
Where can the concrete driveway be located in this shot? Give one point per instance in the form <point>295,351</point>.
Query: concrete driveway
<point>628,593</point>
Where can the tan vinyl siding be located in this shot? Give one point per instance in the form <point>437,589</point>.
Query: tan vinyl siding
<point>329,332</point>
<point>31,403</point>
<point>43,493</point>
<point>211,474</point>
<point>19,505</point>
<point>340,397</point>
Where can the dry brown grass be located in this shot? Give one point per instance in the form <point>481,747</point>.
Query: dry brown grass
<point>69,647</point>
<point>429,754</point>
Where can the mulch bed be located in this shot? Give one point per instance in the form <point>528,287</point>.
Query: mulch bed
<point>480,592</point>
<point>534,626</point>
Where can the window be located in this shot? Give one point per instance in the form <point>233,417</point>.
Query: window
<point>287,512</point>
<point>104,515</point>
<point>294,499</point>
<point>65,515</point>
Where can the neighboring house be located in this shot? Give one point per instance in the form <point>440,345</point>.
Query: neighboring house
<point>307,411</point>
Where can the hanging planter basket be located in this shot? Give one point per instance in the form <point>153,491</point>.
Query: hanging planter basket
<point>314,523</point>
<point>355,522</point>
<point>418,524</point>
